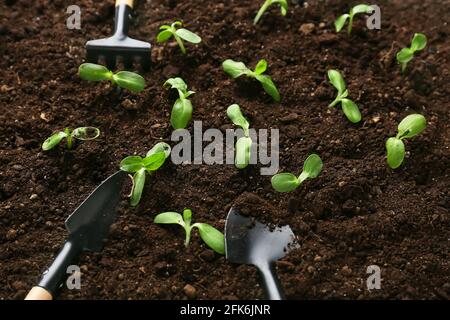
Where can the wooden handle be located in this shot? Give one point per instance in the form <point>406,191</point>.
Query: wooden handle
<point>38,293</point>
<point>127,2</point>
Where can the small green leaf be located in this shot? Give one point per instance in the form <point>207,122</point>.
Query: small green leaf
<point>243,149</point>
<point>188,36</point>
<point>361,8</point>
<point>236,116</point>
<point>212,237</point>
<point>312,167</point>
<point>164,35</point>
<point>187,216</point>
<point>181,114</point>
<point>235,69</point>
<point>269,87</point>
<point>405,55</point>
<point>337,81</point>
<point>340,22</point>
<point>176,83</point>
<point>129,80</point>
<point>411,126</point>
<point>138,187</point>
<point>155,161</point>
<point>132,164</point>
<point>160,147</point>
<point>169,218</point>
<point>285,182</point>
<point>53,140</point>
<point>419,42</point>
<point>351,110</point>
<point>86,133</point>
<point>94,72</point>
<point>261,67</point>
<point>164,27</point>
<point>395,152</point>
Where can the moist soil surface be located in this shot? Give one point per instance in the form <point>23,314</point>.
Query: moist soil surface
<point>357,213</point>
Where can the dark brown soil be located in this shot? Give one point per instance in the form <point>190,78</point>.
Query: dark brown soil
<point>357,213</point>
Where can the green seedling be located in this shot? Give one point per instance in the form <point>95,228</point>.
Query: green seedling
<point>340,22</point>
<point>180,34</point>
<point>123,79</point>
<point>210,235</point>
<point>287,182</point>
<point>154,159</point>
<point>244,144</point>
<point>410,127</point>
<point>83,133</point>
<point>182,109</point>
<point>418,43</point>
<point>237,69</point>
<point>267,4</point>
<point>350,108</point>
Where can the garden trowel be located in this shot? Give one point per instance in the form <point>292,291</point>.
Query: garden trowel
<point>88,228</point>
<point>250,242</point>
<point>120,45</point>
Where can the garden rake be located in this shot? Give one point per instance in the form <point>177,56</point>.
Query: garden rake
<point>120,45</point>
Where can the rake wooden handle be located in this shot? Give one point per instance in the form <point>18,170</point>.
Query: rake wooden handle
<point>38,293</point>
<point>127,2</point>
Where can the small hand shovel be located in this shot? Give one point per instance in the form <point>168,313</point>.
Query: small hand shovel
<point>250,242</point>
<point>88,227</point>
<point>120,45</point>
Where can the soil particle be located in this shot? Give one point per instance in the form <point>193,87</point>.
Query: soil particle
<point>307,28</point>
<point>190,291</point>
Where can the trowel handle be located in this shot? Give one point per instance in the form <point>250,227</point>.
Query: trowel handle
<point>127,2</point>
<point>54,276</point>
<point>270,281</point>
<point>122,20</point>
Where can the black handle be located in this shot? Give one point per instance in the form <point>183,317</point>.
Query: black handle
<point>122,20</point>
<point>270,281</point>
<point>53,277</point>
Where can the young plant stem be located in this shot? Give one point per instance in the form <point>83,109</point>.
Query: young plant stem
<point>69,138</point>
<point>261,11</point>
<point>404,65</point>
<point>335,102</point>
<point>350,25</point>
<point>188,236</point>
<point>180,43</point>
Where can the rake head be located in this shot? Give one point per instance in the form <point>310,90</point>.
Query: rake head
<point>115,49</point>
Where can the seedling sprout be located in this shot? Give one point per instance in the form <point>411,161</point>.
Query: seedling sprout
<point>182,108</point>
<point>180,34</point>
<point>237,69</point>
<point>210,235</point>
<point>287,182</point>
<point>154,159</point>
<point>244,144</point>
<point>83,133</point>
<point>340,22</point>
<point>123,79</point>
<point>267,4</point>
<point>418,43</point>
<point>350,108</point>
<point>408,128</point>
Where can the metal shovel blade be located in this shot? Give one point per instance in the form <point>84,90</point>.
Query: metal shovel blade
<point>88,228</point>
<point>92,219</point>
<point>250,242</point>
